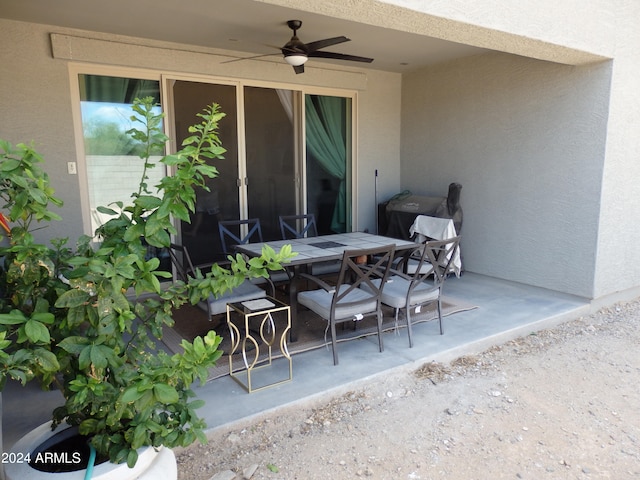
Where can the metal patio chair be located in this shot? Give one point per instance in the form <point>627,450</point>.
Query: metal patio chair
<point>347,301</point>
<point>423,287</point>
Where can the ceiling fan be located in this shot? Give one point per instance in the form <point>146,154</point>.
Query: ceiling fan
<point>296,53</point>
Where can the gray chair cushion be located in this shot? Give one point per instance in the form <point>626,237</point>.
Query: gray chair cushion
<point>279,276</point>
<point>412,267</point>
<point>394,293</point>
<point>246,291</point>
<point>319,301</point>
<point>325,268</point>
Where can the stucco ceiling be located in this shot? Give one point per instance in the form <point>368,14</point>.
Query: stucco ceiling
<point>243,26</point>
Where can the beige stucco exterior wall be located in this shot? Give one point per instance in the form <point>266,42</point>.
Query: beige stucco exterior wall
<point>545,29</point>
<point>379,125</point>
<point>526,139</point>
<point>618,255</point>
<point>37,102</point>
<point>36,107</point>
<point>606,28</point>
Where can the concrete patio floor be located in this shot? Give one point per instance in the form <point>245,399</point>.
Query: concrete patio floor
<point>505,310</point>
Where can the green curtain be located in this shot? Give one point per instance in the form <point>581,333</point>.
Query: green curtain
<point>98,88</point>
<point>326,141</point>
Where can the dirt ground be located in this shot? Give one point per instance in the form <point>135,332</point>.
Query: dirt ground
<point>558,404</point>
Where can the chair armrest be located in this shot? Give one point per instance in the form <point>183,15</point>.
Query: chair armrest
<point>321,283</point>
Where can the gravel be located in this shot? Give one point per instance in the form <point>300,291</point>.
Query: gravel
<point>562,403</point>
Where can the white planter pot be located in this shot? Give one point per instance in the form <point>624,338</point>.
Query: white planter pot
<point>152,464</point>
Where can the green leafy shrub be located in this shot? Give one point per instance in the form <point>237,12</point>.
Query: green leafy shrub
<point>87,320</point>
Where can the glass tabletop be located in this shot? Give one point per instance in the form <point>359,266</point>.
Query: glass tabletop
<point>258,305</point>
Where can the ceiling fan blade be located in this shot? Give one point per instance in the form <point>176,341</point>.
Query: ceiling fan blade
<point>298,68</point>
<point>341,56</point>
<point>327,42</point>
<point>249,58</point>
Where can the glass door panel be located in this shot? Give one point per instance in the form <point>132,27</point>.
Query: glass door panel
<point>114,168</point>
<point>328,166</point>
<point>270,157</point>
<point>113,165</point>
<point>201,236</point>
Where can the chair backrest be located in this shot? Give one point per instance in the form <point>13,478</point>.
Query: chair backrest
<point>231,232</point>
<point>440,254</point>
<point>354,273</point>
<point>181,261</point>
<point>298,226</point>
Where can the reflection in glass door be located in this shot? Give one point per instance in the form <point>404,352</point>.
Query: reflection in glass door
<point>256,177</point>
<point>222,202</point>
<point>270,157</point>
<point>261,175</point>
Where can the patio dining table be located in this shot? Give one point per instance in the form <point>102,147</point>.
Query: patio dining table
<point>322,248</point>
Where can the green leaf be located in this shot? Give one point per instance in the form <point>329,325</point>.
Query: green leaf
<point>8,164</point>
<point>98,355</point>
<point>16,317</point>
<point>181,212</point>
<point>131,394</point>
<point>88,426</point>
<point>134,232</point>
<point>139,436</point>
<point>165,393</point>
<point>36,332</point>
<point>75,316</point>
<point>18,375</point>
<point>44,317</point>
<point>148,202</point>
<point>154,224</point>
<point>47,360</point>
<point>107,211</point>
<point>272,468</point>
<point>196,404</point>
<point>84,359</point>
<point>72,298</point>
<point>73,345</point>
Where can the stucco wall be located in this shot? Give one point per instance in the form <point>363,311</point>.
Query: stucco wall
<point>526,140</point>
<point>36,107</point>
<point>545,29</point>
<point>572,32</point>
<point>378,144</point>
<point>618,260</point>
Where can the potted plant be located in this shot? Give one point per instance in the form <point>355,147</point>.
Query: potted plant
<point>86,320</point>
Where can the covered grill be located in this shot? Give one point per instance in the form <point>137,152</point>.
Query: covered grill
<point>396,215</point>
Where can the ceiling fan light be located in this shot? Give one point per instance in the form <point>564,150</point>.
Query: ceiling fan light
<point>295,60</point>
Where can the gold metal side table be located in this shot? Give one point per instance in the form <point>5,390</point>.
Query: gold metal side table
<point>257,345</point>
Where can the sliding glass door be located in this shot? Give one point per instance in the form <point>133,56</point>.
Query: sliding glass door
<point>271,158</point>
<point>287,153</point>
<point>257,177</point>
<point>221,201</point>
